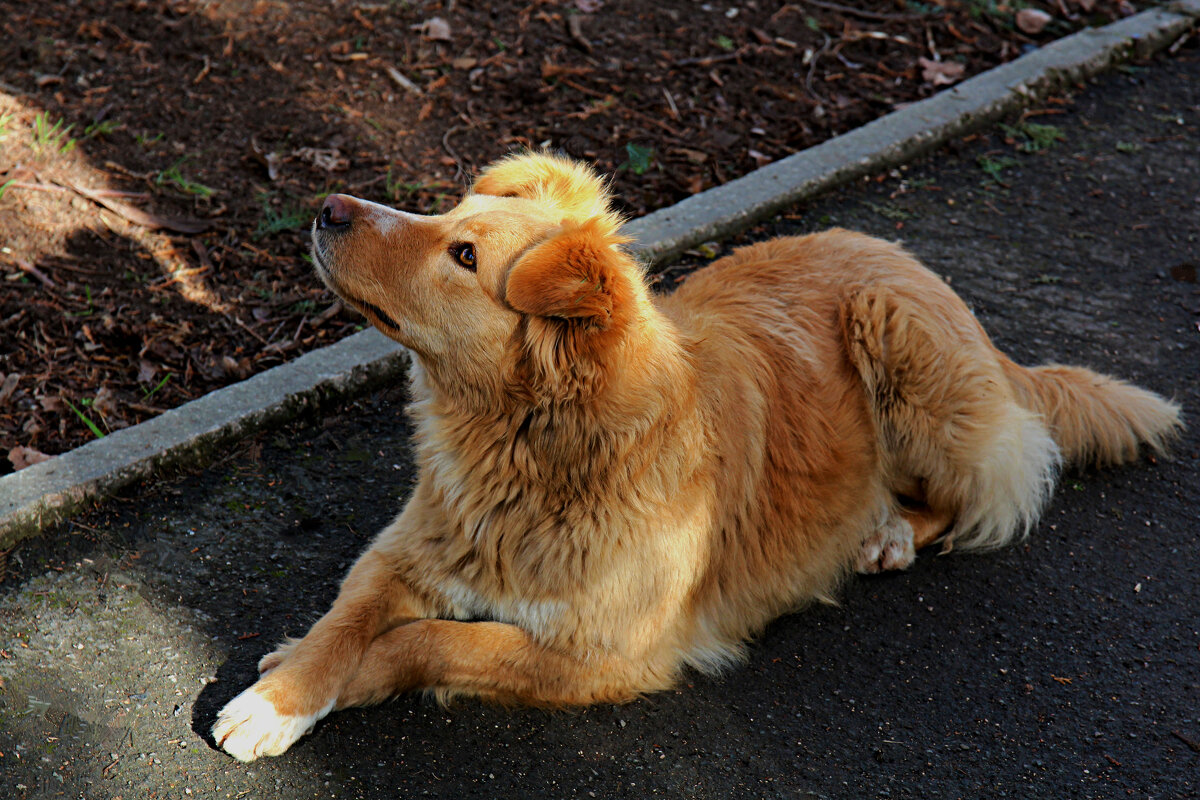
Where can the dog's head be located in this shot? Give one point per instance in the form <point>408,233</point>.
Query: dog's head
<point>525,274</point>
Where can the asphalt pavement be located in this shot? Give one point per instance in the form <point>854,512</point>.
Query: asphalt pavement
<point>1066,667</point>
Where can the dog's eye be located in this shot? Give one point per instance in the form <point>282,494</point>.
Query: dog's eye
<point>464,254</point>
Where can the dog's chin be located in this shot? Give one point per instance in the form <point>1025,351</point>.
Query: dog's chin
<point>321,267</point>
<point>378,317</point>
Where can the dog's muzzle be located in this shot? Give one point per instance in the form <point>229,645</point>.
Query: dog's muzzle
<point>333,221</point>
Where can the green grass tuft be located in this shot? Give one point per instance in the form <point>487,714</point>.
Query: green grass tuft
<point>172,175</point>
<point>51,138</point>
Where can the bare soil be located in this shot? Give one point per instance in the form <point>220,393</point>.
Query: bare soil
<point>160,161</point>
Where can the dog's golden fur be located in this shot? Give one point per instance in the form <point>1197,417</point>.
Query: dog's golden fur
<point>622,484</point>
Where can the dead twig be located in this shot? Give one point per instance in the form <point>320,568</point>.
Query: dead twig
<point>203,72</point>
<point>136,215</point>
<point>450,151</point>
<point>1190,742</point>
<point>25,266</point>
<point>145,409</point>
<point>671,103</point>
<point>327,314</point>
<point>176,276</point>
<point>812,69</point>
<point>55,189</point>
<point>650,119</point>
<point>709,60</point>
<point>575,31</point>
<point>250,331</point>
<point>862,13</point>
<point>401,80</point>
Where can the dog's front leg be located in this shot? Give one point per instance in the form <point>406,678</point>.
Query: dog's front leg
<point>303,685</point>
<point>492,660</point>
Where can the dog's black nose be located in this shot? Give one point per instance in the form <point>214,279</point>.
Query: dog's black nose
<point>335,213</point>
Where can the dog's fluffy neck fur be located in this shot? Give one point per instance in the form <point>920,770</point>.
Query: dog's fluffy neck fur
<point>561,426</point>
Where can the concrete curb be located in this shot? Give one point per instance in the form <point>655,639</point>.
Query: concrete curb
<point>195,432</point>
<point>46,493</point>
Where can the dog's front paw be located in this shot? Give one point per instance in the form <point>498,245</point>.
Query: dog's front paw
<point>889,547</point>
<point>272,660</point>
<point>249,726</point>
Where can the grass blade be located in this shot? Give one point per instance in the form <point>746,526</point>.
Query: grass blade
<point>83,417</point>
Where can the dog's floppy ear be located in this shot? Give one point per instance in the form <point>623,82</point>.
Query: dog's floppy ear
<point>580,274</point>
<point>555,181</point>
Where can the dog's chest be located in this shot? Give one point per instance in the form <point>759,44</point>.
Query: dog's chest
<point>540,617</point>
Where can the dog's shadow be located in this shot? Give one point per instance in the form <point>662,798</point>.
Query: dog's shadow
<point>231,678</point>
<point>234,676</point>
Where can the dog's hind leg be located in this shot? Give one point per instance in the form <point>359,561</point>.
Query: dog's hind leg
<point>894,544</point>
<point>890,546</point>
<point>946,417</point>
<point>928,524</point>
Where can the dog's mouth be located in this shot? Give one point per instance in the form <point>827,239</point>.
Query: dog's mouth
<point>319,260</point>
<point>373,311</point>
<point>369,310</point>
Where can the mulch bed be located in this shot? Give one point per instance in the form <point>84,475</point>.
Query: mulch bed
<point>160,161</point>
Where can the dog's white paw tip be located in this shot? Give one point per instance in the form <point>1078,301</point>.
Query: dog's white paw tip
<point>868,557</point>
<point>249,726</point>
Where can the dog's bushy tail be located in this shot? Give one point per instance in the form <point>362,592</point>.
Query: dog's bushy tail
<point>1094,419</point>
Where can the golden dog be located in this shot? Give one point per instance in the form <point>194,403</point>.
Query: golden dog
<point>624,484</point>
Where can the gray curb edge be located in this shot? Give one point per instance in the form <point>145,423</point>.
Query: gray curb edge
<point>196,432</point>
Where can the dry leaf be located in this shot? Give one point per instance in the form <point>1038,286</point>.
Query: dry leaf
<point>8,386</point>
<point>239,369</point>
<point>105,402</point>
<point>51,403</point>
<point>1032,20</point>
<point>551,70</point>
<point>268,160</point>
<point>589,6</point>
<point>760,159</point>
<point>1185,272</point>
<point>693,156</point>
<point>146,371</point>
<point>21,457</point>
<point>434,28</point>
<point>941,73</point>
<point>328,159</point>
<point>1086,5</point>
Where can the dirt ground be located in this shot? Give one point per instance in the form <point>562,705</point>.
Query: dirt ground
<point>1064,668</point>
<point>160,161</point>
